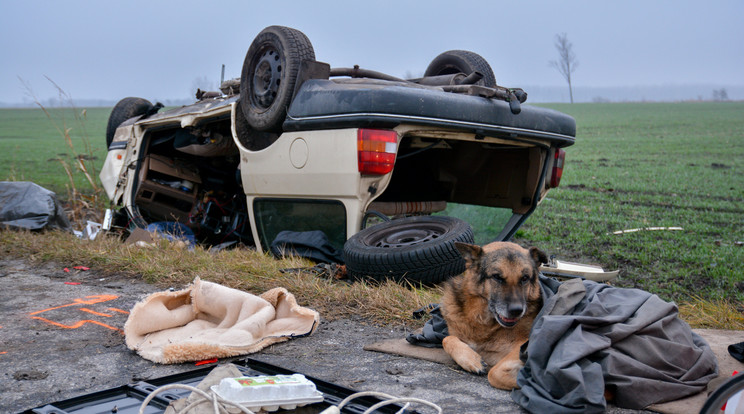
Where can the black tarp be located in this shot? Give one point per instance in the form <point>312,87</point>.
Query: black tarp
<point>25,205</point>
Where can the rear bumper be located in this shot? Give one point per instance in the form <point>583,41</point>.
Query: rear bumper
<point>354,103</point>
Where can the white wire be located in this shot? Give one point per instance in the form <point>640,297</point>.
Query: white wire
<point>362,394</point>
<point>403,410</point>
<point>406,400</point>
<point>390,400</point>
<point>206,398</point>
<point>214,399</point>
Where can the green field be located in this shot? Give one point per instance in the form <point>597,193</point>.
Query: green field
<point>634,165</point>
<point>33,145</point>
<point>640,165</point>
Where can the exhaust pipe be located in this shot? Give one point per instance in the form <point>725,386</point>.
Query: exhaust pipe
<point>471,79</point>
<point>451,79</point>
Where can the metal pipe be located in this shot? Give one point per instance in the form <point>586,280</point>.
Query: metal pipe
<point>441,80</point>
<point>451,79</point>
<point>471,79</point>
<point>356,72</point>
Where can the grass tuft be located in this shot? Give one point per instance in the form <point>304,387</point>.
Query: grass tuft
<point>712,313</point>
<point>167,265</point>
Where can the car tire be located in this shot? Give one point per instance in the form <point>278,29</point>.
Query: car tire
<point>123,110</point>
<point>248,137</point>
<point>269,74</point>
<point>456,61</point>
<point>418,249</point>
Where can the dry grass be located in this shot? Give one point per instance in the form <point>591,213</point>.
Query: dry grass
<point>167,265</point>
<point>705,313</point>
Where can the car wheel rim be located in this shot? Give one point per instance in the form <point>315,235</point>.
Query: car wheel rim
<point>267,78</point>
<point>396,237</point>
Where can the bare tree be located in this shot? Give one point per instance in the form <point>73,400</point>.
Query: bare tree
<point>566,63</point>
<point>720,95</point>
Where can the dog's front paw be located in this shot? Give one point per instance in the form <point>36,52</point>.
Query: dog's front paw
<point>504,374</point>
<point>473,365</point>
<point>465,356</point>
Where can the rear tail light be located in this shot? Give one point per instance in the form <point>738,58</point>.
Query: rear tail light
<point>376,149</point>
<point>555,176</point>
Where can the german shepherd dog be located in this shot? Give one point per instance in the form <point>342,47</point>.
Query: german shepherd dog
<point>490,308</point>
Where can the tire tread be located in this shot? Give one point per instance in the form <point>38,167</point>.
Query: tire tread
<point>429,263</point>
<point>124,109</point>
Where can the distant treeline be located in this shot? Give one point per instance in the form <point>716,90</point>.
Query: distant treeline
<point>541,94</point>
<point>657,93</point>
<point>88,103</point>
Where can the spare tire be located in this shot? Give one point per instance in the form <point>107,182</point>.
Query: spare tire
<point>123,110</point>
<point>269,74</point>
<point>462,61</point>
<point>418,249</point>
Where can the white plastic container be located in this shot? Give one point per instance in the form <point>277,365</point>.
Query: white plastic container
<point>269,392</point>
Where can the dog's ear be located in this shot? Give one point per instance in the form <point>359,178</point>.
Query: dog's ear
<point>538,256</point>
<point>470,252</point>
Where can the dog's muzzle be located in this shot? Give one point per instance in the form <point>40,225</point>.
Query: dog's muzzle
<point>513,313</point>
<point>506,322</point>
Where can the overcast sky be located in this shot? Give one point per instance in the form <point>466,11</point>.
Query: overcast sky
<point>156,49</point>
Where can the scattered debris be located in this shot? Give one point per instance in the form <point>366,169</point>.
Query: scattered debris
<point>90,232</point>
<point>171,231</point>
<point>562,269</point>
<point>223,246</point>
<point>721,243</point>
<point>30,375</point>
<point>81,268</point>
<point>327,270</point>
<point>206,362</point>
<point>648,229</point>
<point>108,218</point>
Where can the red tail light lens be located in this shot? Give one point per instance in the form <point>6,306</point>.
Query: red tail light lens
<point>555,176</point>
<point>376,149</point>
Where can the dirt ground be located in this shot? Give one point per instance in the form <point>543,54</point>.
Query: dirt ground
<point>60,337</point>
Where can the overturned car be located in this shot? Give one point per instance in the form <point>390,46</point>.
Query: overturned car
<point>295,145</point>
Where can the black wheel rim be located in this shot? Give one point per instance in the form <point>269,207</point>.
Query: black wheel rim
<point>403,236</point>
<point>266,80</point>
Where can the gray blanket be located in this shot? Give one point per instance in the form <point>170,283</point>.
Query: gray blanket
<point>590,337</point>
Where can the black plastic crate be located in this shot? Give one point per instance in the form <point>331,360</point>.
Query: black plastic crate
<point>127,399</point>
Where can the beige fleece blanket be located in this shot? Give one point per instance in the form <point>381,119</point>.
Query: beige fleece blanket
<point>208,320</point>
